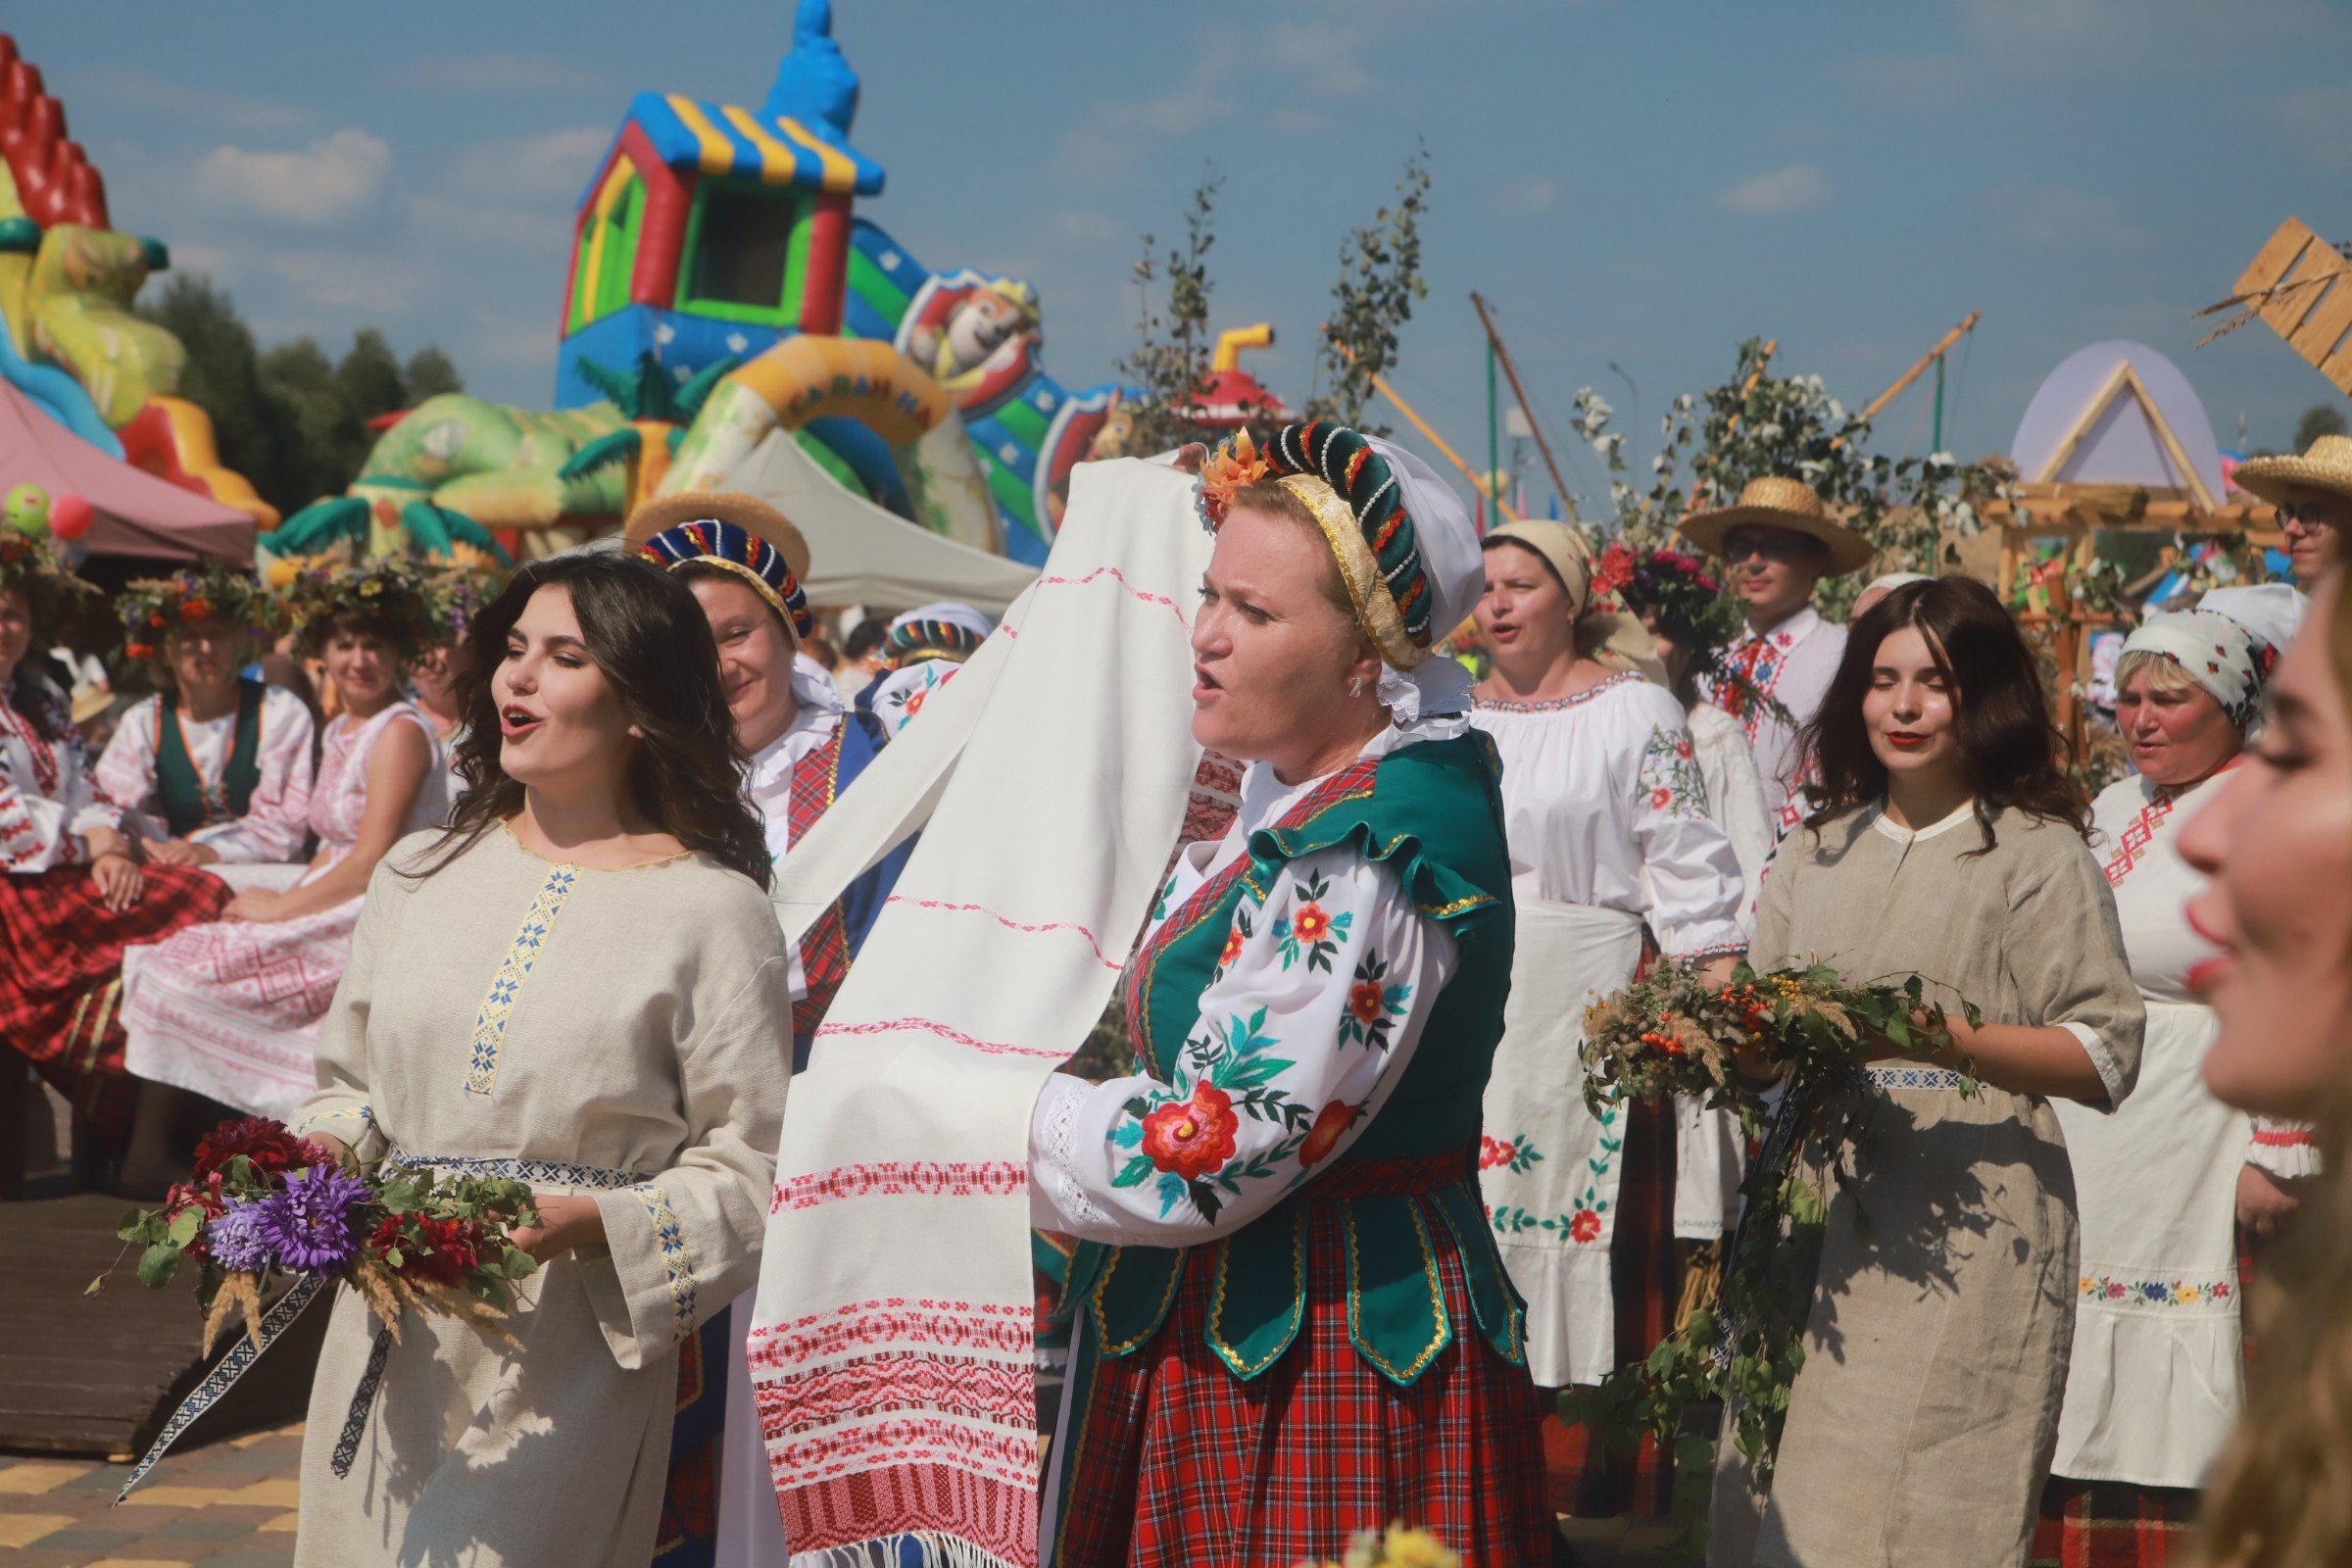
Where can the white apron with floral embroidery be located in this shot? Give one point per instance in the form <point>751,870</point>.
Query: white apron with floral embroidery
<point>1549,1167</point>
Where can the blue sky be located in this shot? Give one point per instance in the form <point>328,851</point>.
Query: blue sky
<point>1638,181</point>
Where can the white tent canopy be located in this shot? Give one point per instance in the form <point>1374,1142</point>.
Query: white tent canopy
<point>859,554</point>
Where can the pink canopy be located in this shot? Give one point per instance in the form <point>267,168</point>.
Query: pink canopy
<point>137,514</point>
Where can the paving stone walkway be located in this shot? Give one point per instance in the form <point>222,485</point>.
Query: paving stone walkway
<point>231,1505</point>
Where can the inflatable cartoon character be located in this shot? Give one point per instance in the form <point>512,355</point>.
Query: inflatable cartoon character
<point>978,336</point>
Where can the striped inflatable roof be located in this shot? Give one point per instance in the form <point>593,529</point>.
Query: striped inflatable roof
<point>724,139</point>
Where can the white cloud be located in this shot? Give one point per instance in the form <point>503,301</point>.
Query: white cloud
<point>525,228</point>
<point>496,74</point>
<point>1089,226</point>
<point>129,88</point>
<point>1530,196</point>
<point>2056,218</point>
<point>548,169</point>
<point>1317,60</point>
<point>332,179</point>
<point>356,280</point>
<point>1796,189</point>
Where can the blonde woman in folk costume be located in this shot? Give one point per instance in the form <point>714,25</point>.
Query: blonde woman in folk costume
<point>745,563</point>
<point>1950,847</point>
<point>926,647</point>
<point>1607,819</point>
<point>2165,1181</point>
<point>1293,1322</point>
<point>578,983</point>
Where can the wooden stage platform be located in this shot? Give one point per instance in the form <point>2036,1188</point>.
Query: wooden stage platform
<point>96,1376</point>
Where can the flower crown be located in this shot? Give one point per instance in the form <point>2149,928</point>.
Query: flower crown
<point>394,590</point>
<point>206,591</point>
<point>38,568</point>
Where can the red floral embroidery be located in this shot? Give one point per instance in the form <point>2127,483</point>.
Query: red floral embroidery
<point>1492,1153</point>
<point>1330,1122</point>
<point>1368,1001</point>
<point>1232,949</point>
<point>1191,1137</point>
<point>1660,799</point>
<point>1310,924</point>
<point>915,703</point>
<point>1585,1226</point>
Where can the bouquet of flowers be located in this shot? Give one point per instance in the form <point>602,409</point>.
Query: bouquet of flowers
<point>1671,1033</point>
<point>263,1203</point>
<point>1397,1547</point>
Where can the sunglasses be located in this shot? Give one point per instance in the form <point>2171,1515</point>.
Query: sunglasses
<point>2302,514</point>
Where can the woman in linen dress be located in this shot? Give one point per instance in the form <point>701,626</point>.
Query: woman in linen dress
<point>231,1008</point>
<point>1607,819</point>
<point>1950,846</point>
<point>579,984</point>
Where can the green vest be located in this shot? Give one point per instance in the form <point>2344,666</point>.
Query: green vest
<point>1432,811</point>
<point>189,804</point>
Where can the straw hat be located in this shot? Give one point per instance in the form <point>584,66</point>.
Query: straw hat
<point>1787,504</point>
<point>2327,466</point>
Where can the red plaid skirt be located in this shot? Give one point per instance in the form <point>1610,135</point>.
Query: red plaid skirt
<point>61,990</point>
<point>1176,1463</point>
<point>2111,1524</point>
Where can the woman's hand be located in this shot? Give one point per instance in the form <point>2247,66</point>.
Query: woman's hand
<point>565,1223</point>
<point>180,852</point>
<point>2263,1204</point>
<point>254,903</point>
<point>118,879</point>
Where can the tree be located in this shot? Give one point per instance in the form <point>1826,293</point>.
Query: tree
<point>1172,359</point>
<point>2321,418</point>
<point>370,377</point>
<point>1380,278</point>
<point>430,373</point>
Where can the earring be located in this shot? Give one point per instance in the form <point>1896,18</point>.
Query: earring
<point>1356,687</point>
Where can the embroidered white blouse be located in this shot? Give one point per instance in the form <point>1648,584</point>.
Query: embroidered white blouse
<point>904,692</point>
<point>47,802</point>
<point>1793,664</point>
<point>1606,805</point>
<point>1317,1060</point>
<point>276,821</point>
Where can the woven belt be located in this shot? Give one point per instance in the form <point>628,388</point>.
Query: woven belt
<point>537,1172</point>
<point>1409,1177</point>
<point>1903,1075</point>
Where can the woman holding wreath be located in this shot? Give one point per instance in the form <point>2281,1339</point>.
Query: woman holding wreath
<point>1291,1319</point>
<point>1950,847</point>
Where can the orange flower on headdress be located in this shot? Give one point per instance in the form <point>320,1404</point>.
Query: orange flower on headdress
<point>1233,467</point>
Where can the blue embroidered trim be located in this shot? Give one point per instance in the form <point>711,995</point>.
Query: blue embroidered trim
<point>506,987</point>
<point>242,1354</point>
<point>537,1172</point>
<point>670,1238</point>
<point>363,1398</point>
<point>1918,1077</point>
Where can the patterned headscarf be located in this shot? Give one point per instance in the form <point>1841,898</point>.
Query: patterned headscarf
<point>943,630</point>
<point>737,550</point>
<point>2218,651</point>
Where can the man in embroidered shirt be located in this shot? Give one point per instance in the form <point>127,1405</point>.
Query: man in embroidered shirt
<point>1778,542</point>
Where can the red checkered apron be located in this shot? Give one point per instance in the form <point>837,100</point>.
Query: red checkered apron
<point>2111,1524</point>
<point>825,947</point>
<point>1179,1463</point>
<point>61,990</point>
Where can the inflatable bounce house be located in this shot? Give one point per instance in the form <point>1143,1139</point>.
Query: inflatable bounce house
<point>721,289</point>
<point>69,346</point>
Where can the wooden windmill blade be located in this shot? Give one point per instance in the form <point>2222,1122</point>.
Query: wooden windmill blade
<point>2301,285</point>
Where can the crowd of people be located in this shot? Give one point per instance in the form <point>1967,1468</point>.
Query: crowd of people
<point>470,875</point>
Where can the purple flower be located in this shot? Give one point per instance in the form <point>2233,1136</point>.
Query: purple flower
<point>308,1224</point>
<point>238,1241</point>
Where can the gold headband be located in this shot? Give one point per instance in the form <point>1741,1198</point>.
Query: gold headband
<point>759,586</point>
<point>1375,607</point>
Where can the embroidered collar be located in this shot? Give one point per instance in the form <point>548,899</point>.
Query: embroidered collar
<point>1789,633</point>
<point>1557,704</point>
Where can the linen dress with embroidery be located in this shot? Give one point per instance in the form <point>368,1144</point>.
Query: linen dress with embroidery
<point>2157,1372</point>
<point>614,1033</point>
<point>276,819</point>
<point>60,987</point>
<point>231,1008</point>
<point>1923,1423</point>
<point>1606,813</point>
<point>1793,664</point>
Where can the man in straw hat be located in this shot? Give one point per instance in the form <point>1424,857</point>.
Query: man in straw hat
<point>746,565</point>
<point>1779,541</point>
<point>2314,496</point>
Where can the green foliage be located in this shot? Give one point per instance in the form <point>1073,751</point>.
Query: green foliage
<point>1380,278</point>
<point>1758,425</point>
<point>1171,360</point>
<point>2321,418</point>
<point>287,417</point>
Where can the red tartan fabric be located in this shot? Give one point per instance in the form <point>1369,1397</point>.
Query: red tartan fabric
<point>61,989</point>
<point>1645,1282</point>
<point>2111,1524</point>
<point>825,947</point>
<point>1181,1463</point>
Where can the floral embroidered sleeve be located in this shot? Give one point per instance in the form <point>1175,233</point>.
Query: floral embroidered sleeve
<point>1308,1021</point>
<point>1694,881</point>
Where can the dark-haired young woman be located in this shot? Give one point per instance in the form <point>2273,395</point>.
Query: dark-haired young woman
<point>579,984</point>
<point>1952,848</point>
<point>231,1008</point>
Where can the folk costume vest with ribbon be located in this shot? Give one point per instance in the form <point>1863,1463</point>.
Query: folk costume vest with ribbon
<point>189,802</point>
<point>818,780</point>
<point>1432,811</point>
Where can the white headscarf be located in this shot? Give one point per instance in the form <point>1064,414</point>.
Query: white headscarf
<point>1452,563</point>
<point>2228,645</point>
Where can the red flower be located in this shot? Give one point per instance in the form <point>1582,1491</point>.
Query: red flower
<point>1232,949</point>
<point>1585,1226</point>
<point>1331,1122</point>
<point>1191,1137</point>
<point>1682,749</point>
<point>1492,1151</point>
<point>1367,1002</point>
<point>193,610</point>
<point>1660,799</point>
<point>1613,571</point>
<point>154,617</point>
<point>138,651</point>
<point>915,703</point>
<point>266,1143</point>
<point>1310,923</point>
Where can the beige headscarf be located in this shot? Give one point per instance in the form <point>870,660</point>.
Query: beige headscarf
<point>1604,627</point>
